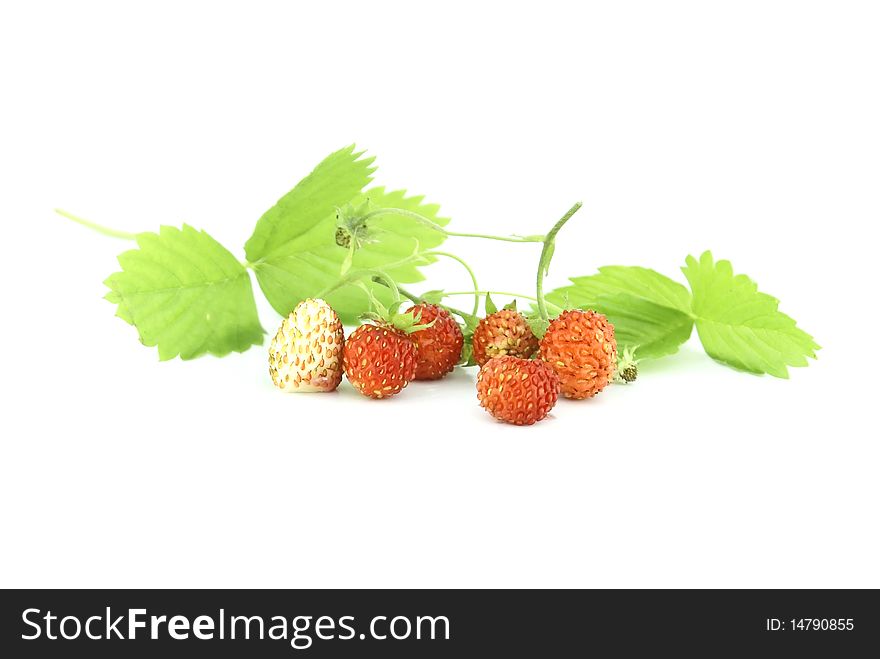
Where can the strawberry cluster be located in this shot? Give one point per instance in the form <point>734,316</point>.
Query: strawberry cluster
<point>576,357</point>
<point>520,378</point>
<point>309,353</point>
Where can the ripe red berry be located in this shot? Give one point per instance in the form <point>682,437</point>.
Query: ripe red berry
<point>439,346</point>
<point>581,348</point>
<point>518,391</point>
<point>379,360</point>
<point>504,332</point>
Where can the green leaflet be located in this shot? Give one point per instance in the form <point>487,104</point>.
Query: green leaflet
<point>652,329</point>
<point>467,351</point>
<point>740,326</point>
<point>296,217</point>
<point>639,282</point>
<point>649,311</point>
<point>186,294</point>
<point>294,253</point>
<point>490,305</point>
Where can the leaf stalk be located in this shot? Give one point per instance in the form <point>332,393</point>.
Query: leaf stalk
<point>104,231</point>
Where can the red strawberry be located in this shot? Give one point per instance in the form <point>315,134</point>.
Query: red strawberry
<point>439,345</point>
<point>518,391</point>
<point>581,348</point>
<point>379,360</point>
<point>504,332</point>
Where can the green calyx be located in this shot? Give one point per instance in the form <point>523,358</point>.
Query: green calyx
<point>627,366</point>
<point>352,231</point>
<point>351,225</point>
<point>389,315</point>
<point>407,322</point>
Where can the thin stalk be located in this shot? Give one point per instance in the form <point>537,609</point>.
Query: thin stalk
<point>356,275</point>
<point>375,305</point>
<point>105,231</point>
<point>389,282</point>
<point>421,219</point>
<point>546,255</point>
<point>509,239</point>
<point>415,298</point>
<point>530,298</point>
<point>470,273</point>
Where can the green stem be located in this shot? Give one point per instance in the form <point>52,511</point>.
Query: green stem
<point>470,273</point>
<point>357,275</point>
<point>106,231</point>
<point>505,293</point>
<point>354,275</point>
<point>375,305</point>
<point>389,282</point>
<point>421,219</point>
<point>546,255</point>
<point>509,239</point>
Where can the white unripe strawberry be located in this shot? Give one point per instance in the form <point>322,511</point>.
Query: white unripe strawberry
<point>306,353</point>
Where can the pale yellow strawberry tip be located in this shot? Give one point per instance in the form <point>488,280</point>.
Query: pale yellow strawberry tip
<point>306,353</point>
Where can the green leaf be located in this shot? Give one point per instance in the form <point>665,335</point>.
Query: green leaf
<point>294,252</point>
<point>490,306</point>
<point>186,294</point>
<point>648,310</point>
<point>297,216</point>
<point>740,326</point>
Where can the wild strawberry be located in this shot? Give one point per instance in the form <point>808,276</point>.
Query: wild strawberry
<point>306,353</point>
<point>504,332</point>
<point>518,391</point>
<point>581,348</point>
<point>439,345</point>
<point>379,360</point>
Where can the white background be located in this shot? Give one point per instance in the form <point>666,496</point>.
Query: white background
<point>750,128</point>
